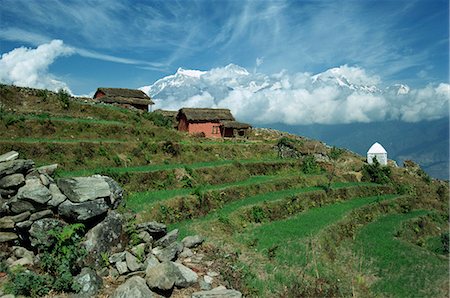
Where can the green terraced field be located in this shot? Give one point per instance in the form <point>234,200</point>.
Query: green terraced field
<point>403,269</point>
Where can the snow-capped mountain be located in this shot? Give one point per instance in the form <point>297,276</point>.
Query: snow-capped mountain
<point>219,82</point>
<point>342,94</point>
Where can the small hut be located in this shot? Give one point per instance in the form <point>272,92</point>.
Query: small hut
<point>377,151</point>
<point>124,97</point>
<point>212,123</point>
<point>231,129</point>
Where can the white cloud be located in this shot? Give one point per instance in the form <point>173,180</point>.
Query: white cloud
<point>344,94</point>
<point>29,67</point>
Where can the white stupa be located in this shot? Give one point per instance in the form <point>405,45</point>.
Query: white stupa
<point>377,151</point>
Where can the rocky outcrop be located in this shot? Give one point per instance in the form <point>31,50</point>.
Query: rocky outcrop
<point>33,204</point>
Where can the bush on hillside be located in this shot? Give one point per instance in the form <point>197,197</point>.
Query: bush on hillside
<point>310,166</point>
<point>159,119</point>
<point>376,173</point>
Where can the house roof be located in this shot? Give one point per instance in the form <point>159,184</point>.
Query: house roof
<point>377,148</point>
<point>199,115</point>
<point>123,95</point>
<point>235,124</point>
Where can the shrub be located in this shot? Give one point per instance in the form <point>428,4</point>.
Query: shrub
<point>159,119</point>
<point>171,148</point>
<point>309,165</point>
<point>28,283</point>
<point>376,173</point>
<point>63,97</point>
<point>445,241</point>
<point>63,258</point>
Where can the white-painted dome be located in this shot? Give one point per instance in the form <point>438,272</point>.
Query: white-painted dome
<point>377,148</point>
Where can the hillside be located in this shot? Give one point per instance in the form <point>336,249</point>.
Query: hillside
<point>283,215</point>
<point>430,151</point>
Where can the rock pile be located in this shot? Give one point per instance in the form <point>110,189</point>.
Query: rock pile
<point>32,203</point>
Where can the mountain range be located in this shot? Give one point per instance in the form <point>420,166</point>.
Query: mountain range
<point>343,106</point>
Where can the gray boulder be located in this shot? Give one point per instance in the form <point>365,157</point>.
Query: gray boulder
<point>12,181</point>
<point>20,217</point>
<point>168,274</point>
<point>15,166</point>
<point>41,214</point>
<point>104,236</point>
<point>90,283</point>
<point>76,212</point>
<point>132,262</point>
<point>185,276</point>
<point>161,276</point>
<point>222,293</point>
<point>150,262</point>
<point>57,196</point>
<point>122,267</point>
<point>34,191</point>
<point>168,253</point>
<point>192,241</point>
<point>16,205</point>
<point>6,223</point>
<point>83,189</point>
<point>49,169</point>
<point>117,257</point>
<point>11,155</point>
<point>7,236</point>
<point>167,239</point>
<point>39,231</point>
<point>116,191</point>
<point>134,287</point>
<point>155,229</point>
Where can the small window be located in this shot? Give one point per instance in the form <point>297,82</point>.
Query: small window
<point>215,129</point>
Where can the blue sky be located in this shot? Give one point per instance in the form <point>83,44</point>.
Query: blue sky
<point>134,43</point>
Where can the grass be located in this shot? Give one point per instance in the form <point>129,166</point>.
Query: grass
<point>73,119</point>
<point>45,140</point>
<point>141,200</point>
<point>161,167</point>
<point>404,269</point>
<point>186,226</point>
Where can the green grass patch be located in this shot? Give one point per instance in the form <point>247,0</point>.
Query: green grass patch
<point>142,200</point>
<point>404,269</point>
<point>161,167</point>
<point>73,119</point>
<point>45,140</point>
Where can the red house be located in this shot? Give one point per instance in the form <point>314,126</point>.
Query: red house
<point>124,97</point>
<point>212,123</point>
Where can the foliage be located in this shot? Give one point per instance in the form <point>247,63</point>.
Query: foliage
<point>376,173</point>
<point>335,153</point>
<point>63,97</point>
<point>28,283</point>
<point>62,259</point>
<point>171,148</point>
<point>309,165</point>
<point>158,119</point>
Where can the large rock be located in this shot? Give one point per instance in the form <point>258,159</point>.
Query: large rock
<point>15,166</point>
<point>155,229</point>
<point>192,241</point>
<point>79,212</point>
<point>162,276</point>
<point>186,277</point>
<point>89,282</point>
<point>6,223</point>
<point>11,155</point>
<point>167,239</point>
<point>39,231</point>
<point>35,191</point>
<point>83,189</point>
<point>168,274</point>
<point>116,192</point>
<point>16,205</point>
<point>7,236</point>
<point>57,196</point>
<point>134,287</point>
<point>222,293</point>
<point>49,169</point>
<point>104,236</point>
<point>132,262</point>
<point>168,253</point>
<point>12,181</point>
